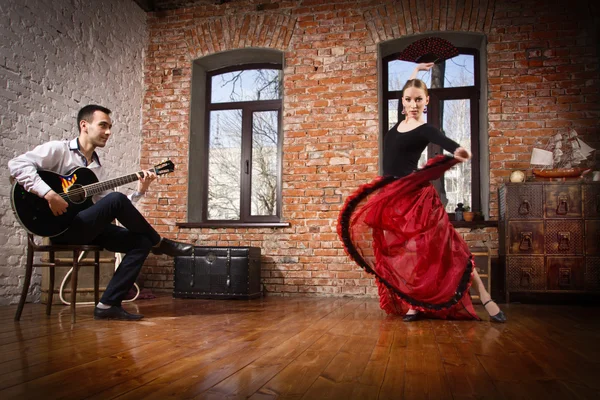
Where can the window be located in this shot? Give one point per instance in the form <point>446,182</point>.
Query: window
<point>454,108</point>
<point>242,161</point>
<point>236,140</point>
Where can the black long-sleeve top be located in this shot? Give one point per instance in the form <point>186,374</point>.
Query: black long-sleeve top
<point>401,150</point>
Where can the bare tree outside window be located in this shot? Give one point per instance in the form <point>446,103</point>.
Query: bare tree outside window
<point>244,145</point>
<point>457,126</point>
<point>264,163</point>
<point>225,149</point>
<point>247,85</point>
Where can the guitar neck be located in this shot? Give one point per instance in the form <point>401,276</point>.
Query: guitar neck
<point>99,187</point>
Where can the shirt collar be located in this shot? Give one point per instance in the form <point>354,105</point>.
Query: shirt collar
<point>74,146</point>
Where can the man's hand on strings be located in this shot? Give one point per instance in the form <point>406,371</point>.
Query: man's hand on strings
<point>57,204</point>
<point>145,181</point>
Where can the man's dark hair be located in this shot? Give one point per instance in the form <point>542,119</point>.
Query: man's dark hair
<point>87,113</point>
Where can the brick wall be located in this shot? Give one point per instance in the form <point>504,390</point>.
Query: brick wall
<point>55,57</point>
<point>542,77</point>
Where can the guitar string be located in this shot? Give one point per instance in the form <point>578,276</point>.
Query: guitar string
<point>98,187</point>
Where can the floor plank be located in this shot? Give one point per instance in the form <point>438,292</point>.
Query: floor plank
<point>298,348</point>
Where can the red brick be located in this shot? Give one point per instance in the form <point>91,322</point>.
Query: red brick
<point>542,78</point>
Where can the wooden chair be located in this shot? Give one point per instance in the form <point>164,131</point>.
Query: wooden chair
<point>483,264</point>
<point>51,262</point>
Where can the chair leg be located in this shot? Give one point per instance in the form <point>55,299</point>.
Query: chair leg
<point>50,284</point>
<point>74,284</point>
<point>96,277</point>
<point>26,282</point>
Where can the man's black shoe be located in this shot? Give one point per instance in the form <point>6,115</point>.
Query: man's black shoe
<point>172,248</point>
<point>115,312</point>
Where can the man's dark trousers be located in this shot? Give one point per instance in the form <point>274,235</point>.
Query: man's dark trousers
<point>134,238</point>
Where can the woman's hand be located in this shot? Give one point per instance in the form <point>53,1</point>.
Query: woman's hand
<point>425,66</point>
<point>421,67</point>
<point>462,154</point>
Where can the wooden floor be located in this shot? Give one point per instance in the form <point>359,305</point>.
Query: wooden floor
<point>293,348</point>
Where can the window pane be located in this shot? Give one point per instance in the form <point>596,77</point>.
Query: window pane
<point>455,72</point>
<point>423,158</point>
<point>460,71</point>
<point>224,156</point>
<point>392,112</point>
<point>399,71</point>
<point>264,163</point>
<point>456,124</point>
<point>246,85</point>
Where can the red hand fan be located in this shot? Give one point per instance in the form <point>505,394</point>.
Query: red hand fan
<point>430,49</point>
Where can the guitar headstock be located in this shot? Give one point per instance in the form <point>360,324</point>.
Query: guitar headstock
<point>164,167</point>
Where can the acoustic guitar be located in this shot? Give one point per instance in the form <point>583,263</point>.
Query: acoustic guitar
<point>77,188</point>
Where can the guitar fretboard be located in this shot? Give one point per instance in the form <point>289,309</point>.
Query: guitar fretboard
<point>100,187</point>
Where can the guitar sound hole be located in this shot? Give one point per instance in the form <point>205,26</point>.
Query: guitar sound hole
<point>76,194</point>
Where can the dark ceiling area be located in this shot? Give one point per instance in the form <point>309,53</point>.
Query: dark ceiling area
<point>163,5</point>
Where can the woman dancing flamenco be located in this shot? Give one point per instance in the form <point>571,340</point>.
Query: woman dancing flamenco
<point>396,227</point>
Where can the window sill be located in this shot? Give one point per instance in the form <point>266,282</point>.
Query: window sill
<point>456,224</point>
<point>475,224</point>
<point>233,224</point>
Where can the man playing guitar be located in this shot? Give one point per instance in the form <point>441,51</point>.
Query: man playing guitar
<point>136,238</point>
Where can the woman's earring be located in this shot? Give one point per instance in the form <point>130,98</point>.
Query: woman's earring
<point>403,111</point>
<point>425,110</point>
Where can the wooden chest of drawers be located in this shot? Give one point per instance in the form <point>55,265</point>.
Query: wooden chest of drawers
<point>549,236</point>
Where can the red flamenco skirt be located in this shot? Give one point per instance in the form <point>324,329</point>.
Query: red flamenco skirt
<point>398,230</point>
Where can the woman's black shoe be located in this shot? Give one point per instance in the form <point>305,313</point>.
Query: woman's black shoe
<point>500,317</point>
<point>410,317</point>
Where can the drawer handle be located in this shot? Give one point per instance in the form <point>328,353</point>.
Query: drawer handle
<point>564,238</point>
<point>564,277</point>
<point>525,280</point>
<point>563,205</point>
<point>524,207</point>
<point>211,257</point>
<point>526,241</point>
